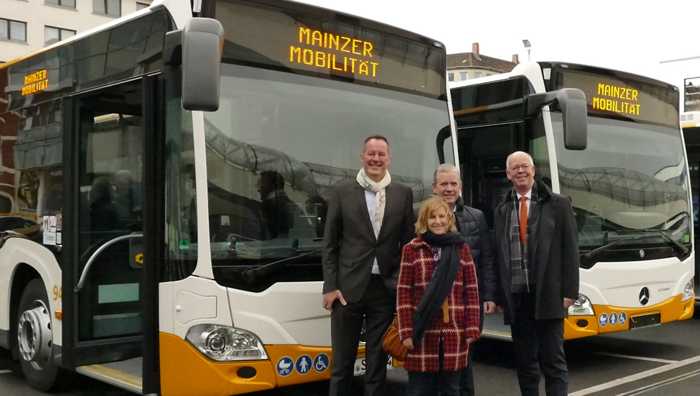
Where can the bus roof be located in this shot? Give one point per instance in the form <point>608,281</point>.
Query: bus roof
<point>180,13</point>
<point>174,7</point>
<point>526,68</point>
<point>396,29</point>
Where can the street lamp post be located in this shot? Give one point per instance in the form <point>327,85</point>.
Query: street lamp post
<point>527,45</point>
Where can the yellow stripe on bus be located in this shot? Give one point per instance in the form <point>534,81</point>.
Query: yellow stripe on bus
<point>670,310</point>
<point>185,371</point>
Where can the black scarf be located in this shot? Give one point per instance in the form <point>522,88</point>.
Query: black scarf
<point>441,282</point>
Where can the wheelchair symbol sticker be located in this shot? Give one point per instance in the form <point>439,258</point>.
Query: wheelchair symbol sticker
<point>285,366</point>
<point>603,319</point>
<point>622,318</point>
<point>321,362</point>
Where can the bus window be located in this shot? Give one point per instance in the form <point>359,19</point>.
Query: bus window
<point>38,163</point>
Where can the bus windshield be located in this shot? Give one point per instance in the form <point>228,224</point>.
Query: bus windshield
<point>276,146</point>
<point>629,187</point>
<point>301,89</point>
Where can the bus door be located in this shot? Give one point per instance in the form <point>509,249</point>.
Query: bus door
<point>487,132</point>
<point>104,316</point>
<point>692,145</point>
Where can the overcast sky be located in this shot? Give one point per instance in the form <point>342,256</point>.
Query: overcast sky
<point>633,36</point>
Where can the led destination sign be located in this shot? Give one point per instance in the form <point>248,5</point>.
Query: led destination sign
<point>621,95</point>
<point>334,52</point>
<point>305,40</point>
<point>616,99</point>
<point>35,82</point>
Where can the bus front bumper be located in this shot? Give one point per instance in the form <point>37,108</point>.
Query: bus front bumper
<point>611,319</point>
<point>185,371</point>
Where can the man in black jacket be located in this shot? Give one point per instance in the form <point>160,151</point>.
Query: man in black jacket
<point>471,223</point>
<point>369,219</point>
<point>538,270</point>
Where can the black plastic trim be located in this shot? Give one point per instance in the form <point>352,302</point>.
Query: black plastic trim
<point>154,189</point>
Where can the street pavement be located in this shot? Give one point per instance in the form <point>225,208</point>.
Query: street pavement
<point>659,361</point>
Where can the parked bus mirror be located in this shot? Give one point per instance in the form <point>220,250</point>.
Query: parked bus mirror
<point>442,135</point>
<point>572,103</point>
<point>202,40</point>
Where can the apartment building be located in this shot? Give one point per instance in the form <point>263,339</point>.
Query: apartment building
<point>468,65</point>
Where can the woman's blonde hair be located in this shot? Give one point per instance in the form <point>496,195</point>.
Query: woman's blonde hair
<point>429,206</point>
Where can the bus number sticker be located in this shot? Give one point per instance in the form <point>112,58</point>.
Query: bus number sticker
<point>303,364</point>
<point>321,362</point>
<point>57,293</point>
<point>285,366</point>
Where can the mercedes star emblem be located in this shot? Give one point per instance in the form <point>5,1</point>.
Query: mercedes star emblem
<point>644,296</point>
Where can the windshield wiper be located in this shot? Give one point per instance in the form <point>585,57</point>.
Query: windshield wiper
<point>254,274</point>
<point>679,247</point>
<point>593,252</point>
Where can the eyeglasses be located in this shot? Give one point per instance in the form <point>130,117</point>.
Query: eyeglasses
<point>520,166</point>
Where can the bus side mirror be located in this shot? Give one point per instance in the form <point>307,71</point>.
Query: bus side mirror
<point>202,46</point>
<point>572,102</point>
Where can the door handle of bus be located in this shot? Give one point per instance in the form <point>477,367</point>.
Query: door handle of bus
<point>93,256</point>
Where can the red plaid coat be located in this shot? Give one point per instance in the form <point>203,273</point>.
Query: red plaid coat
<point>417,264</point>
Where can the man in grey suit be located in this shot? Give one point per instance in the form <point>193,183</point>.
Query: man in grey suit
<point>369,219</point>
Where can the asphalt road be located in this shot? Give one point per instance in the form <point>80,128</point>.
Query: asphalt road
<point>660,361</point>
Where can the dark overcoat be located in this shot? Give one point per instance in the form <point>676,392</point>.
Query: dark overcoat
<point>552,251</point>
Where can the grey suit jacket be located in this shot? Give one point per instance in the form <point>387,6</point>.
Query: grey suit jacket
<point>349,242</point>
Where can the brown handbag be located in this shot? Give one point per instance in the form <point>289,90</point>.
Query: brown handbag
<point>391,342</point>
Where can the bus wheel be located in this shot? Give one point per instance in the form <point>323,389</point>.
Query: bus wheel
<point>34,337</point>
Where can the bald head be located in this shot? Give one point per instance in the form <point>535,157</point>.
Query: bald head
<point>520,170</point>
<point>519,154</point>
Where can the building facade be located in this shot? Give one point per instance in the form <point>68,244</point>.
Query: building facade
<point>29,25</point>
<point>468,65</point>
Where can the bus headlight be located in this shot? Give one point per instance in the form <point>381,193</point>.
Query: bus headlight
<point>582,306</point>
<point>689,289</point>
<point>224,343</point>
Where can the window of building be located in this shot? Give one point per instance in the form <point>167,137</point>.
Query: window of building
<point>451,76</point>
<point>61,3</point>
<point>111,8</point>
<point>53,34</point>
<point>13,30</point>
<point>140,6</point>
<point>463,75</point>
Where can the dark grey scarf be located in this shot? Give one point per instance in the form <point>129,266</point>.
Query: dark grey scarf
<point>441,282</point>
<point>519,266</point>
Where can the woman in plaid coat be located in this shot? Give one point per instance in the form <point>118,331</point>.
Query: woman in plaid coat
<point>435,359</point>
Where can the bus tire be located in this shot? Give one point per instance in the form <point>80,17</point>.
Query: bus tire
<point>34,338</point>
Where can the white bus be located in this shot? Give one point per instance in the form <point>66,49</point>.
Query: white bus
<point>170,250</point>
<point>690,122</point>
<point>629,185</point>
